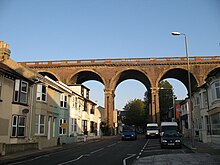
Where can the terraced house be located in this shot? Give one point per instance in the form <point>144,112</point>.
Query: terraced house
<point>38,112</point>
<point>205,110</point>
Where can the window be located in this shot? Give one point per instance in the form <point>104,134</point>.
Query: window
<point>92,126</point>
<point>92,110</point>
<point>41,92</point>
<point>75,100</point>
<point>39,124</point>
<point>87,94</point>
<point>84,125</point>
<point>215,123</point>
<point>197,100</point>
<point>73,125</point>
<point>21,91</point>
<point>215,90</point>
<point>18,126</point>
<point>63,101</point>
<point>63,126</point>
<point>205,100</point>
<point>85,106</point>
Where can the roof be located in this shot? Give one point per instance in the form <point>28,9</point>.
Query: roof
<point>7,70</point>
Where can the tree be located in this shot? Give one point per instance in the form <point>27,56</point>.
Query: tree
<point>135,113</point>
<point>165,100</point>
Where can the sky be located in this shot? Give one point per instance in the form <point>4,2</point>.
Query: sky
<point>94,29</point>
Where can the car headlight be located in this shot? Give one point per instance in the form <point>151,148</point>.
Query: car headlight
<point>157,133</point>
<point>177,141</point>
<point>164,141</point>
<point>148,133</point>
<point>123,135</point>
<point>132,135</point>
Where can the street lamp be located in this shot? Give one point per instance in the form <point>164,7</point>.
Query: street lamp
<point>189,84</point>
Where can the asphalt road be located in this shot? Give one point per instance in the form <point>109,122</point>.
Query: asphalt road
<point>106,151</point>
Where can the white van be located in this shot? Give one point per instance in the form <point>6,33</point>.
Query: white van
<point>152,130</point>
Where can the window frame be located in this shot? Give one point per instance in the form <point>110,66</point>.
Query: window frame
<point>215,90</point>
<point>63,100</point>
<point>62,131</point>
<point>39,125</point>
<point>41,94</point>
<point>19,92</point>
<point>18,126</point>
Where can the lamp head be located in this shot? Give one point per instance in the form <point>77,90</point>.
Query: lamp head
<point>176,33</point>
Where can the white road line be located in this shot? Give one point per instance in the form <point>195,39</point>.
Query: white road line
<point>111,145</point>
<point>124,160</point>
<point>142,149</point>
<point>97,150</point>
<point>29,160</point>
<point>74,159</point>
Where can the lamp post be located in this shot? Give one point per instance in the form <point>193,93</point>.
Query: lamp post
<point>189,84</point>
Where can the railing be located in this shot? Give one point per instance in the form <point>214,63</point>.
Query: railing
<point>121,60</point>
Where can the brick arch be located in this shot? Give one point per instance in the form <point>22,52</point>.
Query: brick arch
<point>181,74</point>
<point>79,77</point>
<point>109,69</point>
<point>211,72</point>
<point>49,74</point>
<point>118,78</point>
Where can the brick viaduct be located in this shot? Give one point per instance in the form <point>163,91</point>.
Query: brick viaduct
<point>111,72</point>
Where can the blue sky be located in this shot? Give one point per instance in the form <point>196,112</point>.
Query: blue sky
<point>85,29</point>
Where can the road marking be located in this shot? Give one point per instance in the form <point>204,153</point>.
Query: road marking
<point>30,159</point>
<point>142,149</point>
<point>74,159</point>
<point>124,160</point>
<point>111,145</point>
<point>97,150</point>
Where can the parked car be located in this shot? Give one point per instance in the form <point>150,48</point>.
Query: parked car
<point>128,133</point>
<point>171,138</point>
<point>152,130</point>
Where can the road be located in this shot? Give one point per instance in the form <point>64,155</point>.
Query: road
<point>106,151</point>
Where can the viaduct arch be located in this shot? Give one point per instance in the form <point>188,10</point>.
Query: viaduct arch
<point>111,72</point>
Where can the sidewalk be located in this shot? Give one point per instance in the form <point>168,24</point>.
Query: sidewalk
<point>204,154</point>
<point>211,148</point>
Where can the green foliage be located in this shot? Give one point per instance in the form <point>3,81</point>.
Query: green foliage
<point>135,113</point>
<point>165,99</point>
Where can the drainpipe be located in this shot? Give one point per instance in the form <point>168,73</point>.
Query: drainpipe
<point>31,108</point>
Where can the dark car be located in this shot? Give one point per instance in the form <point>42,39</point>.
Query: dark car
<point>171,138</point>
<point>128,133</point>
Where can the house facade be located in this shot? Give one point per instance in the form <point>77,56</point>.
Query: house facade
<point>38,112</point>
<point>205,111</point>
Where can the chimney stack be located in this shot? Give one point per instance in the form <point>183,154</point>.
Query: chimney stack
<point>4,49</point>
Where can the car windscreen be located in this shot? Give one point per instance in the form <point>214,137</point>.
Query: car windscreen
<point>152,128</point>
<point>169,128</point>
<point>171,133</point>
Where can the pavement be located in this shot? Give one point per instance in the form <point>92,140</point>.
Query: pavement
<point>204,154</point>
